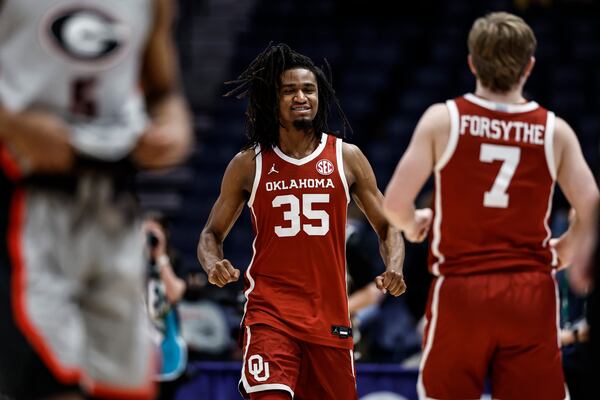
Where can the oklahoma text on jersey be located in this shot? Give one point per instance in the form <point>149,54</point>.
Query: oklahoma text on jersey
<point>299,184</point>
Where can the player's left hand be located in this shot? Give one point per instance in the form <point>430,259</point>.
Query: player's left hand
<point>161,146</point>
<point>392,282</point>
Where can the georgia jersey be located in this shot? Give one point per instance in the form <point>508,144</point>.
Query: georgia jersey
<point>493,189</point>
<point>296,281</point>
<point>80,60</point>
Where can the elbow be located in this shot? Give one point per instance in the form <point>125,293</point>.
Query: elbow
<point>391,215</point>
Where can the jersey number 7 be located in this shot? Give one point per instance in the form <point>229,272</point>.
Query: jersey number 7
<point>497,197</point>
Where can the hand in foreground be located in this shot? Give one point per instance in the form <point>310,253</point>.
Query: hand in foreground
<point>418,232</point>
<point>392,282</point>
<point>161,147</point>
<point>564,255</point>
<point>43,145</point>
<point>223,273</point>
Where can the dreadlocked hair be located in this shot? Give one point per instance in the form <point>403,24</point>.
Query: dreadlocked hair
<point>260,82</point>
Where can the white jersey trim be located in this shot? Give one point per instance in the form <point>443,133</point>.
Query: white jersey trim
<point>442,162</point>
<point>306,159</point>
<point>549,144</point>
<point>551,161</point>
<point>502,107</point>
<point>263,387</point>
<point>430,336</point>
<point>257,174</point>
<point>437,226</point>
<point>248,275</point>
<point>557,312</point>
<point>554,261</point>
<point>452,138</point>
<point>340,162</point>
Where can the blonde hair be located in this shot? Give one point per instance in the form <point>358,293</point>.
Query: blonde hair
<point>501,45</point>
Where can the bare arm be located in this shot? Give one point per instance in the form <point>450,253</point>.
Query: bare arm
<point>413,170</point>
<point>579,187</point>
<point>169,138</point>
<point>36,140</point>
<point>367,196</point>
<point>174,285</point>
<point>236,185</point>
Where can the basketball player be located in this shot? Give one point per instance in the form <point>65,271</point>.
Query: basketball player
<point>297,180</point>
<point>496,157</point>
<point>76,79</point>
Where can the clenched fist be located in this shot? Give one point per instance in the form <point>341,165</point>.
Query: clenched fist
<point>392,282</point>
<point>223,273</point>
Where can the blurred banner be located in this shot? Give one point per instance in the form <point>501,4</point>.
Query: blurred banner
<point>219,380</point>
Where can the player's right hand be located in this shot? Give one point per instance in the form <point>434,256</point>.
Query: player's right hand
<point>392,282</point>
<point>223,273</point>
<point>420,228</point>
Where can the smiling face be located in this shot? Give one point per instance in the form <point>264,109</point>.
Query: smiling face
<point>298,99</point>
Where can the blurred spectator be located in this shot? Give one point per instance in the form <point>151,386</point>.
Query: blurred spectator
<point>384,329</point>
<point>584,278</point>
<point>364,297</point>
<point>574,329</point>
<point>415,267</point>
<point>165,290</point>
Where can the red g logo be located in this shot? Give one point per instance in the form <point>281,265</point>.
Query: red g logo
<point>325,167</point>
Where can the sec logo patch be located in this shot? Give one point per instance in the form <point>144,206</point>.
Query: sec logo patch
<point>325,167</point>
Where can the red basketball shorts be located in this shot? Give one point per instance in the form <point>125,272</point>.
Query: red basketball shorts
<point>498,325</point>
<point>274,360</point>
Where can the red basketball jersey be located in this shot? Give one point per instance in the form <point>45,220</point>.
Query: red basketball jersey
<point>296,281</point>
<point>493,189</point>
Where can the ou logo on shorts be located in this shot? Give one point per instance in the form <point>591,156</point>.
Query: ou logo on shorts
<point>256,367</point>
<point>325,167</point>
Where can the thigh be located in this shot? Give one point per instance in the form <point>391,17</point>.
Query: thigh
<point>533,372</point>
<point>527,363</point>
<point>119,356</point>
<point>457,343</point>
<point>326,373</point>
<point>271,361</point>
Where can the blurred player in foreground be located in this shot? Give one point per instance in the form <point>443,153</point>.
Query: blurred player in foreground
<point>88,95</point>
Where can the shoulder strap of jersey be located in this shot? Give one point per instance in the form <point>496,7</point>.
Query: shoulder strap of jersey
<point>339,158</point>
<point>257,174</point>
<point>452,138</point>
<point>549,144</point>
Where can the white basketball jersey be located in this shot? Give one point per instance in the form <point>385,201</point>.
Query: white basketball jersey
<point>80,59</point>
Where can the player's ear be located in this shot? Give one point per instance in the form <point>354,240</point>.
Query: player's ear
<point>529,67</point>
<point>471,65</point>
